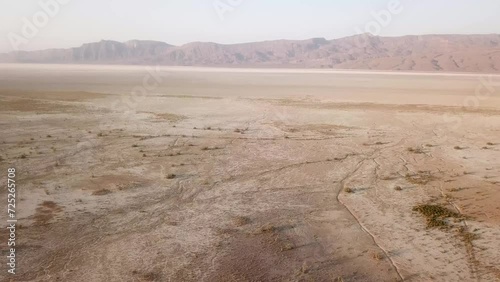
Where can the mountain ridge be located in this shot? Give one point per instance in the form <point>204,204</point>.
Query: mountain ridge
<point>454,53</point>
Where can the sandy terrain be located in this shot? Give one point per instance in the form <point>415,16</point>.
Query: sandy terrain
<point>251,176</point>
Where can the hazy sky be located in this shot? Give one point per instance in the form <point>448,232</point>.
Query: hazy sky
<point>181,21</point>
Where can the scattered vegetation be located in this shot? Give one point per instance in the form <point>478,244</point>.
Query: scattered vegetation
<point>436,215</point>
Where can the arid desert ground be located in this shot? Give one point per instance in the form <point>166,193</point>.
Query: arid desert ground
<point>133,173</point>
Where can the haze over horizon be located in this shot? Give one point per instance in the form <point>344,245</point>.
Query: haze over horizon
<point>223,21</point>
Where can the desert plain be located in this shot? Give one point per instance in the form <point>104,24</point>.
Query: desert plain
<point>133,173</point>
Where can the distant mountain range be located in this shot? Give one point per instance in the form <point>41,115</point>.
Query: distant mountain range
<point>455,53</point>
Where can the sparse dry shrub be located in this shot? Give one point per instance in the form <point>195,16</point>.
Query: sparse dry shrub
<point>415,150</point>
<point>421,177</point>
<point>101,192</point>
<point>436,215</point>
<point>241,220</point>
<point>378,256</point>
<point>267,228</point>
